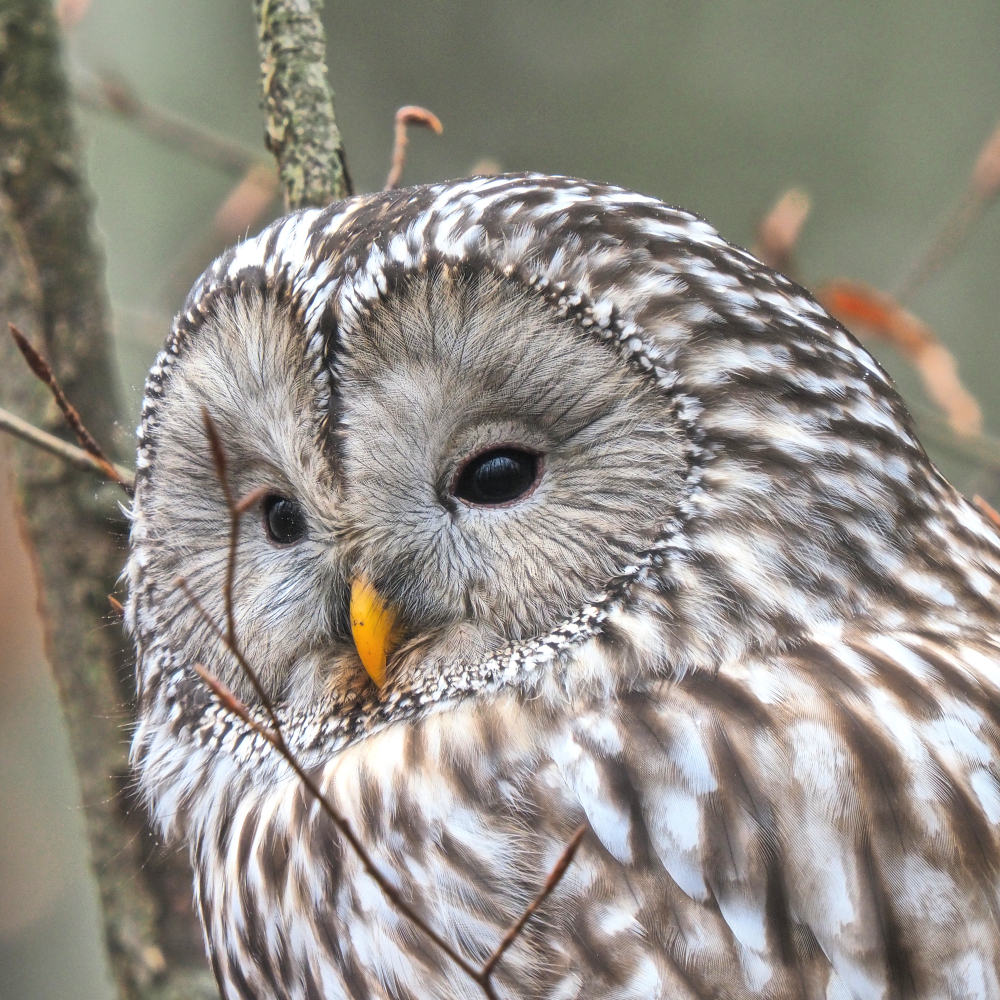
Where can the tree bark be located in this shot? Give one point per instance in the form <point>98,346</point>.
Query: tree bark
<point>51,285</point>
<point>298,101</point>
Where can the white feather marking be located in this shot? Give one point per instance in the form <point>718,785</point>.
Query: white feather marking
<point>611,825</point>
<point>984,784</point>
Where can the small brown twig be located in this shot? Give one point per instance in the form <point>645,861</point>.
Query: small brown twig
<point>854,303</point>
<point>986,509</point>
<point>555,875</point>
<point>43,371</point>
<point>273,734</point>
<point>410,114</point>
<point>882,316</point>
<point>982,190</point>
<point>19,428</point>
<point>779,230</point>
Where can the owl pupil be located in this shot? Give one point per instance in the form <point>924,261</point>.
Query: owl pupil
<point>497,477</point>
<point>284,520</point>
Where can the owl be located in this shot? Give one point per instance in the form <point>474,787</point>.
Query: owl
<point>567,511</point>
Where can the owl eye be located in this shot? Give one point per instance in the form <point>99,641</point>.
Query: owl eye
<point>284,519</point>
<point>497,477</point>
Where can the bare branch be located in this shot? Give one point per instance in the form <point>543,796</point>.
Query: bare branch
<point>218,456</point>
<point>233,704</point>
<point>116,97</point>
<point>43,372</point>
<point>408,115</point>
<point>51,285</point>
<point>77,457</point>
<point>219,459</point>
<point>555,877</point>
<point>854,303</point>
<point>982,190</point>
<point>301,126</point>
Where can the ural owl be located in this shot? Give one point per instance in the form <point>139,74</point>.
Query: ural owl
<point>653,547</point>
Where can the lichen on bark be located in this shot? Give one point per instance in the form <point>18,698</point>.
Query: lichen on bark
<point>301,127</point>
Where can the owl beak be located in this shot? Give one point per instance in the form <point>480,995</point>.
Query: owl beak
<point>375,627</point>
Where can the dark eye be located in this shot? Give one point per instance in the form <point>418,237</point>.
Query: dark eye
<point>284,519</point>
<point>497,477</point>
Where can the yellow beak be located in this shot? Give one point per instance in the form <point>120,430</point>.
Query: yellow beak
<point>374,626</point>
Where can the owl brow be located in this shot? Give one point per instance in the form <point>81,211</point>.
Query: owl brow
<point>272,733</point>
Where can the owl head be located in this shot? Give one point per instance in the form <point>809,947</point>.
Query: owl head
<point>494,420</point>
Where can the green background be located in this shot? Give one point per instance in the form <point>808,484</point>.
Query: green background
<point>877,110</point>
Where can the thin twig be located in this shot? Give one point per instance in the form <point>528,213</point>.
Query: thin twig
<point>274,735</point>
<point>219,460</point>
<point>779,230</point>
<point>555,876</point>
<point>13,424</point>
<point>982,190</point>
<point>276,738</point>
<point>43,371</point>
<point>855,303</point>
<point>116,97</point>
<point>408,115</point>
<point>244,665</point>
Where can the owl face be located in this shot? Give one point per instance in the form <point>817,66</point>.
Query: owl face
<point>483,466</point>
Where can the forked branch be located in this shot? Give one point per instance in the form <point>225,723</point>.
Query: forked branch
<point>95,456</point>
<point>273,734</point>
<point>13,424</point>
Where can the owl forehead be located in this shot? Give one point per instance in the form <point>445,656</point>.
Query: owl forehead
<point>630,269</point>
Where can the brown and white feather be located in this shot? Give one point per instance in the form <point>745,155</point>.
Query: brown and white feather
<point>747,632</point>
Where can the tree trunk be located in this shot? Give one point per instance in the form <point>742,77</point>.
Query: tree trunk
<point>51,285</point>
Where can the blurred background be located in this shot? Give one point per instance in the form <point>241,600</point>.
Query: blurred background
<point>876,111</point>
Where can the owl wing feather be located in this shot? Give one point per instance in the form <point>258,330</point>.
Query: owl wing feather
<point>830,815</point>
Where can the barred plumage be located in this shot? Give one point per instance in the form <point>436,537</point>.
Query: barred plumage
<point>742,627</point>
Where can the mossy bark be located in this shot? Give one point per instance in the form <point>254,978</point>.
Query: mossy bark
<point>51,285</point>
<point>301,127</point>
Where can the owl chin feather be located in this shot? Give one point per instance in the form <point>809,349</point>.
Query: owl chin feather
<point>707,595</point>
<point>335,673</point>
